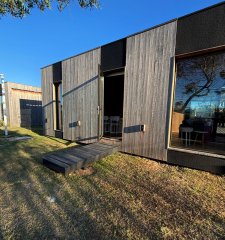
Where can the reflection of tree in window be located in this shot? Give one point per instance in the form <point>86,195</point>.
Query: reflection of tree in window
<point>197,78</point>
<point>199,103</point>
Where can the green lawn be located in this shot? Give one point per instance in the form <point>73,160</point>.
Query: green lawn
<point>120,197</point>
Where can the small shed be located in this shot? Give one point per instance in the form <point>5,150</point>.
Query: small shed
<point>24,105</point>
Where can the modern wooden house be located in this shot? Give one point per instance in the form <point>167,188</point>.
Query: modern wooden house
<point>24,105</point>
<point>160,91</point>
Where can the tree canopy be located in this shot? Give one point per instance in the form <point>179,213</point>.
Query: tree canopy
<point>20,8</point>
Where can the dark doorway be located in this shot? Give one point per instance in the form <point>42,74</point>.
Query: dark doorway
<point>113,104</point>
<point>31,113</point>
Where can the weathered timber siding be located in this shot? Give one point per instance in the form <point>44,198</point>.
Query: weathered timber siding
<point>149,63</point>
<point>15,93</point>
<point>80,96</point>
<point>47,101</point>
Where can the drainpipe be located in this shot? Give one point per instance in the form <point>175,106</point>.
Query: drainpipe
<point>4,103</point>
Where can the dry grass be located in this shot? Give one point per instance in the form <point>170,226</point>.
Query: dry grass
<point>120,197</point>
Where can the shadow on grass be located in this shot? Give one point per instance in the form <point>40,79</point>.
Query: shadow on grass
<point>38,130</point>
<point>16,132</point>
<point>26,188</point>
<point>65,142</point>
<point>120,201</point>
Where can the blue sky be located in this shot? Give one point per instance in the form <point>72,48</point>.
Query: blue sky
<point>42,38</point>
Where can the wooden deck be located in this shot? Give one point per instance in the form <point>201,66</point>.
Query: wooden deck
<point>72,159</point>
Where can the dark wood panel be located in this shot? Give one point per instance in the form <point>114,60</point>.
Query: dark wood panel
<point>202,30</point>
<point>56,165</point>
<point>197,161</point>
<point>113,55</point>
<point>57,72</point>
<point>58,134</point>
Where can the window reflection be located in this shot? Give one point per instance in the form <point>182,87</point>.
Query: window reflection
<point>58,106</point>
<point>198,120</point>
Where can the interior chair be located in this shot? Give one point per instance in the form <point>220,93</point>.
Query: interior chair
<point>106,125</point>
<point>114,125</point>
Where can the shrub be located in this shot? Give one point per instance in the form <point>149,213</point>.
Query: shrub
<point>1,123</point>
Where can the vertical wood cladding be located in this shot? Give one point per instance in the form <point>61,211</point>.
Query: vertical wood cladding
<point>113,55</point>
<point>149,63</point>
<point>47,101</point>
<point>15,93</point>
<point>201,30</point>
<point>80,97</point>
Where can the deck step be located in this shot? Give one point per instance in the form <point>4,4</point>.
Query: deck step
<point>75,158</point>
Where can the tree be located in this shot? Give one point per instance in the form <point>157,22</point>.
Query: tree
<point>199,75</point>
<point>20,8</point>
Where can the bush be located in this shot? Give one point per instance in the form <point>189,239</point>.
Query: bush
<point>1,123</point>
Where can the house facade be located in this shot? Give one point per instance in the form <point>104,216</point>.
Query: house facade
<point>160,92</point>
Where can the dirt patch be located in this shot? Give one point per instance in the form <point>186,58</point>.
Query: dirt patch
<point>84,172</point>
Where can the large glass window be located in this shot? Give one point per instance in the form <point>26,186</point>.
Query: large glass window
<point>198,119</point>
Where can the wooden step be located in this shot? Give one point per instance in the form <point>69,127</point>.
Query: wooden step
<point>75,158</point>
